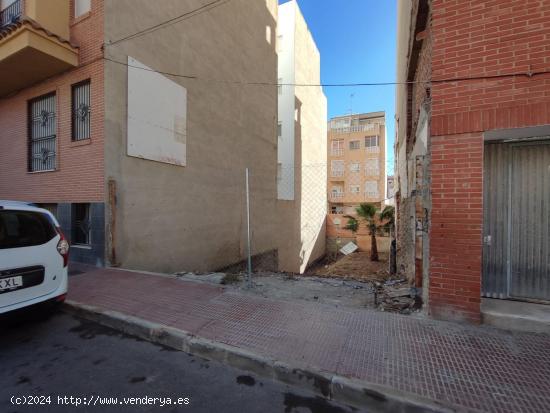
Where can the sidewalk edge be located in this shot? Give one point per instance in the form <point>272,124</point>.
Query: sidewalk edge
<point>353,392</point>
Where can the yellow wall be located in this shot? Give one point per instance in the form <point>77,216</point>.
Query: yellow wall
<point>51,14</point>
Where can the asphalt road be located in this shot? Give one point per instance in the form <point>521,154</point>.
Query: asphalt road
<point>64,356</point>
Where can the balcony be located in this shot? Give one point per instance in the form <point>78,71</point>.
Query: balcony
<point>336,173</point>
<point>11,14</point>
<point>337,152</point>
<point>352,129</point>
<point>336,196</point>
<point>33,43</point>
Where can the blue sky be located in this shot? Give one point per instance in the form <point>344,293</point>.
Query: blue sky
<point>357,41</point>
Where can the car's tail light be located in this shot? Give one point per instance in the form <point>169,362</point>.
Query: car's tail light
<point>60,298</point>
<point>63,247</point>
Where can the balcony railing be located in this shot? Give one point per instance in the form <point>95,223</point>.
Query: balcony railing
<point>356,128</point>
<point>337,173</point>
<point>337,152</point>
<point>336,195</point>
<point>11,14</point>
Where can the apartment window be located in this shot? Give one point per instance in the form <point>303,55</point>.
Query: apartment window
<point>80,225</point>
<point>371,189</point>
<point>81,7</point>
<point>337,147</point>
<point>81,111</point>
<point>372,167</point>
<point>372,143</point>
<point>42,134</point>
<point>354,145</point>
<point>280,129</point>
<point>354,189</point>
<point>280,86</point>
<point>354,167</point>
<point>337,168</point>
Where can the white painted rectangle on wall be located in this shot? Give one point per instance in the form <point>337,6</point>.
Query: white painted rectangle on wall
<point>157,116</point>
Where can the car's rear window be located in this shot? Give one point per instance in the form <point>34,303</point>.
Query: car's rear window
<point>24,229</point>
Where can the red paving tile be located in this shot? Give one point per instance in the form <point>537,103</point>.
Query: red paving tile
<point>475,368</point>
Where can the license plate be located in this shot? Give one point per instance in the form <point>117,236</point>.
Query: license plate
<point>10,283</point>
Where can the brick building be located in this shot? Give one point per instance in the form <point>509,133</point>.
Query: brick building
<point>472,152</point>
<point>356,147</point>
<point>136,163</point>
<point>51,114</point>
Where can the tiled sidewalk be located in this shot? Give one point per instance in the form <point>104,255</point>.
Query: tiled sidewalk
<point>472,368</point>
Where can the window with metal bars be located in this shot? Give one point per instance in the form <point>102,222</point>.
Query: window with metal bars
<point>81,111</point>
<point>42,134</point>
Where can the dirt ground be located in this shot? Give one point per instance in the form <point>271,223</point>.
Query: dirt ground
<point>335,292</point>
<point>350,282</point>
<point>356,266</point>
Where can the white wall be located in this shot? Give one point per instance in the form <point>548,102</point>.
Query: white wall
<point>157,116</point>
<point>286,105</point>
<point>302,150</point>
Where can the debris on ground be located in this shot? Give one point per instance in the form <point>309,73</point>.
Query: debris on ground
<point>396,296</point>
<point>231,279</point>
<point>352,281</point>
<point>356,266</point>
<point>214,278</point>
<point>349,248</point>
<point>292,287</point>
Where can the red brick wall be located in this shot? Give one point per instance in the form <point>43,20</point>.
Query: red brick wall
<point>477,39</point>
<point>79,174</point>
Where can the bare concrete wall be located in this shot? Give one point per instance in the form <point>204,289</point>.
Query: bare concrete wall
<point>303,219</point>
<point>171,217</point>
<point>313,120</point>
<point>406,238</point>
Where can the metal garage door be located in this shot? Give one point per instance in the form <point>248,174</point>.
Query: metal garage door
<point>516,252</point>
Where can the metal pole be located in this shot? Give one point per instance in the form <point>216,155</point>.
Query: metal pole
<point>249,266</point>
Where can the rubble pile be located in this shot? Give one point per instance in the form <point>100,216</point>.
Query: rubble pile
<point>396,296</point>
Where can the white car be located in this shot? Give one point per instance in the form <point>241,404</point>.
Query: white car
<point>33,257</point>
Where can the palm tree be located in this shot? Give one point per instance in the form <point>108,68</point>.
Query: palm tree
<point>388,217</point>
<point>369,214</point>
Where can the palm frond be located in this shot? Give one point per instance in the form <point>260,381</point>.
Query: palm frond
<point>366,211</point>
<point>388,214</point>
<point>353,224</point>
